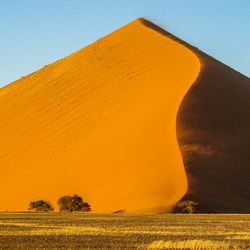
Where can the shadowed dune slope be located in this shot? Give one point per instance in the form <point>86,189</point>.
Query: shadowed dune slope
<point>213,132</point>
<point>214,136</point>
<point>101,123</point>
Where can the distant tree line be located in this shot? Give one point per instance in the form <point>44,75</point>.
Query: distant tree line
<point>66,203</point>
<point>75,203</point>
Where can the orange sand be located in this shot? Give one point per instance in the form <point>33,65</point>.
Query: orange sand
<point>100,123</point>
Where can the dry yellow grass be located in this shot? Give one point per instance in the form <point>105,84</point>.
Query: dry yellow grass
<point>190,244</point>
<point>127,231</point>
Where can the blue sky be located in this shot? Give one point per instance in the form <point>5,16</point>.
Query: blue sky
<point>34,33</point>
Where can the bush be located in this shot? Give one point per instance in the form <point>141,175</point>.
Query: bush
<point>41,206</point>
<point>73,203</point>
<point>187,206</point>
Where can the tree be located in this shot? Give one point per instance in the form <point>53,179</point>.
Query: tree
<point>41,206</point>
<point>73,203</point>
<point>186,206</point>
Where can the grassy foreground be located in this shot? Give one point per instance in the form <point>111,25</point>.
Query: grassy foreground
<point>124,231</point>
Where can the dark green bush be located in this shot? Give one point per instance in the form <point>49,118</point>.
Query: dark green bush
<point>41,206</point>
<point>73,203</point>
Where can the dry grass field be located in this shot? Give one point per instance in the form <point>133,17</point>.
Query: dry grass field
<point>123,231</point>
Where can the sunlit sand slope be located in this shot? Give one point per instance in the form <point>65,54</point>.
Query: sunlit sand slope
<point>101,123</point>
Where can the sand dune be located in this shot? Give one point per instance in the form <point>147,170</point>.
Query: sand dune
<point>102,123</point>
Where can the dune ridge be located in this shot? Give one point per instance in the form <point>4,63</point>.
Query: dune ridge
<point>104,121</point>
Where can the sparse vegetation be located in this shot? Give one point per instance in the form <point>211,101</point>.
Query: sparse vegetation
<point>186,206</point>
<point>73,203</point>
<point>124,231</point>
<point>41,206</point>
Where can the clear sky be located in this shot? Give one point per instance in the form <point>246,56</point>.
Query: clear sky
<point>34,33</point>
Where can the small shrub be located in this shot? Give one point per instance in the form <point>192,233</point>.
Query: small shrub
<point>73,203</point>
<point>41,206</point>
<point>187,206</point>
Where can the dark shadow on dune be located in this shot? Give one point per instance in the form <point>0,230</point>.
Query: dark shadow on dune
<point>213,131</point>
